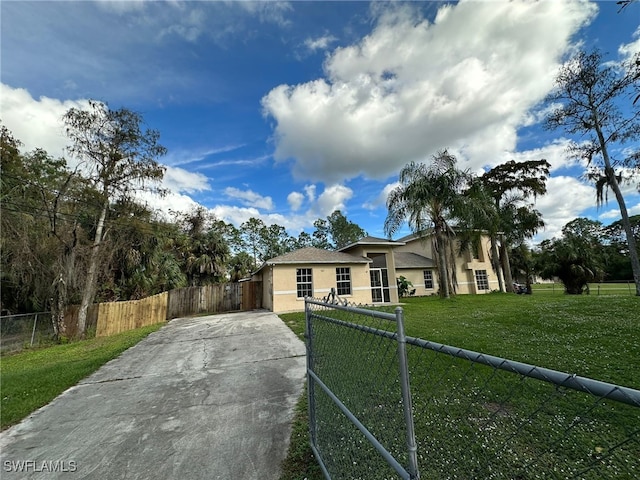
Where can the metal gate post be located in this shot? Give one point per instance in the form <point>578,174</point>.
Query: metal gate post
<point>33,332</point>
<point>406,396</point>
<point>310,385</point>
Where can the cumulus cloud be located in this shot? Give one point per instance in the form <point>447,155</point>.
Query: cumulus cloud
<point>331,199</point>
<point>295,200</point>
<point>182,181</point>
<point>310,190</point>
<point>250,198</point>
<point>411,87</point>
<point>565,200</point>
<point>627,50</point>
<point>37,123</point>
<point>164,205</point>
<point>555,152</point>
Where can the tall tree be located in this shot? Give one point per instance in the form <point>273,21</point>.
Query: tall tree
<point>275,241</point>
<point>142,257</point>
<point>595,101</point>
<point>321,237</point>
<point>240,266</point>
<point>204,249</point>
<point>510,185</point>
<point>120,158</point>
<point>343,231</point>
<point>251,232</point>
<point>430,196</point>
<point>617,265</point>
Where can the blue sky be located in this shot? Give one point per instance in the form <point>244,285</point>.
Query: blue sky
<point>286,111</point>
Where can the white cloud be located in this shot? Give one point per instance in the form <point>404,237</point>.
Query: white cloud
<point>163,205</point>
<point>238,215</point>
<point>331,199</point>
<point>566,199</point>
<point>381,199</point>
<point>295,200</point>
<point>555,153</point>
<point>412,87</point>
<point>122,7</point>
<point>627,50</point>
<point>250,198</point>
<point>179,180</point>
<point>310,190</point>
<point>267,12</point>
<point>36,123</point>
<point>190,26</point>
<point>319,43</point>
<point>185,157</point>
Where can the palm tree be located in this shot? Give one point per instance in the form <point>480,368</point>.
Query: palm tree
<point>509,186</point>
<point>430,196</point>
<point>575,258</point>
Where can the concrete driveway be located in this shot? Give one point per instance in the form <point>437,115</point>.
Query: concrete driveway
<point>208,397</point>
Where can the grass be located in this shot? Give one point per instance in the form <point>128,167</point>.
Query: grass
<point>31,379</point>
<point>592,336</point>
<point>617,288</point>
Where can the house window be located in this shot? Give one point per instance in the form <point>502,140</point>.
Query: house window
<point>343,280</point>
<point>428,279</point>
<point>482,281</point>
<point>304,285</point>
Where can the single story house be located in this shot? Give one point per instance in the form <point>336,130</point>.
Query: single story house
<point>366,272</point>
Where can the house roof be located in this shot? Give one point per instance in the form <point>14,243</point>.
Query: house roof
<point>314,255</point>
<point>415,236</point>
<point>371,241</point>
<point>412,260</point>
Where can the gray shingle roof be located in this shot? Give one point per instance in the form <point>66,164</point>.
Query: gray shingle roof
<point>315,255</point>
<point>371,241</point>
<point>412,260</point>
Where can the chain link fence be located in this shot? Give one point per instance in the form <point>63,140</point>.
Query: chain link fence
<point>29,329</point>
<point>475,416</point>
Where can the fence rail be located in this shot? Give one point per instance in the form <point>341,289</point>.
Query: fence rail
<point>24,329</point>
<point>475,416</point>
<point>110,318</point>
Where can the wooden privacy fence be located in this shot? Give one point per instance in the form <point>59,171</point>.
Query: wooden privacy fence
<point>115,317</point>
<point>226,297</point>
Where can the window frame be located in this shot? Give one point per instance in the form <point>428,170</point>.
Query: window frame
<point>304,282</point>
<point>428,282</point>
<point>343,278</point>
<point>482,280</point>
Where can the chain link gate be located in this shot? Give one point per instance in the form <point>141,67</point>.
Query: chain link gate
<point>360,413</point>
<point>475,416</point>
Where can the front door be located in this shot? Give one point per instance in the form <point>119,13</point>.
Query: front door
<point>379,285</point>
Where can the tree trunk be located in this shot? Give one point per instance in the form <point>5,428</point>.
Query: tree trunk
<point>90,284</point>
<point>495,262</point>
<point>442,266</point>
<point>613,183</point>
<point>506,264</point>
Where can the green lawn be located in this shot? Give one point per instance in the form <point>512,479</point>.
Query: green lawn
<point>592,336</point>
<point>619,288</point>
<point>32,378</point>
